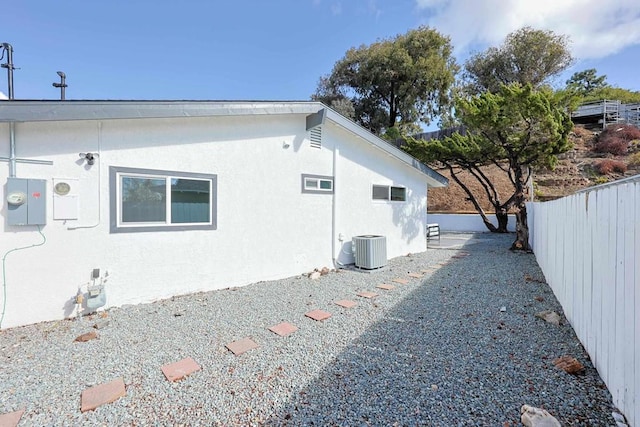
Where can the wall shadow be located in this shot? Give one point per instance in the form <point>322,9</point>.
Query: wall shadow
<point>447,354</point>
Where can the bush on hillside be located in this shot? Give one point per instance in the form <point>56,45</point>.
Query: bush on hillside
<point>634,159</point>
<point>615,139</point>
<point>581,132</point>
<point>611,145</point>
<point>608,166</point>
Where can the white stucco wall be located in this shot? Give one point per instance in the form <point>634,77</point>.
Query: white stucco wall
<point>266,227</point>
<point>462,223</point>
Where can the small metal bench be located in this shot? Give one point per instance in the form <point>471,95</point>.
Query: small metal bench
<point>433,230</point>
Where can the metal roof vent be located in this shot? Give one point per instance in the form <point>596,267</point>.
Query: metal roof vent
<point>315,137</point>
<point>370,251</point>
<point>314,126</point>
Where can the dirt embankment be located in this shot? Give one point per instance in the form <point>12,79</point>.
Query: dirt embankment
<point>576,169</point>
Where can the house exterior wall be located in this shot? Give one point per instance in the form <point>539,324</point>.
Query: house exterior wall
<point>267,228</point>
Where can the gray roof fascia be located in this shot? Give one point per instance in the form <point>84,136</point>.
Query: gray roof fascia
<point>435,179</point>
<point>35,111</point>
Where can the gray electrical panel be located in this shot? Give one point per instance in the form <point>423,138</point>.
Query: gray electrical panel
<point>26,201</point>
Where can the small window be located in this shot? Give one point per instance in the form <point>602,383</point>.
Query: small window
<point>148,200</point>
<point>317,184</point>
<point>398,194</point>
<point>386,192</point>
<point>380,192</point>
<point>326,184</point>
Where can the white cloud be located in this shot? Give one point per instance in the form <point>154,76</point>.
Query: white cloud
<point>3,96</point>
<point>597,28</point>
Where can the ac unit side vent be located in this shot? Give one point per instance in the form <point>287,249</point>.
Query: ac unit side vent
<point>370,251</point>
<point>315,137</point>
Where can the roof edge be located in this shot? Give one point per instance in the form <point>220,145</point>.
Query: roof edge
<point>58,110</point>
<point>435,179</point>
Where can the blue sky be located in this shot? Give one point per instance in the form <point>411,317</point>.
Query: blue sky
<point>274,50</point>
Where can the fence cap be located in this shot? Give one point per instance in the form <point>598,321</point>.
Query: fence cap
<point>630,179</point>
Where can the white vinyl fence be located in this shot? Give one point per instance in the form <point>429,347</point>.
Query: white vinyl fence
<point>588,246</point>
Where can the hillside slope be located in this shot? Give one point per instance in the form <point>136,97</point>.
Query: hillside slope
<point>576,170</point>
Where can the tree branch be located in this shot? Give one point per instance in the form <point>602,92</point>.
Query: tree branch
<point>472,199</point>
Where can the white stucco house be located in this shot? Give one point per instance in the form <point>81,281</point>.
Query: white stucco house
<point>161,198</point>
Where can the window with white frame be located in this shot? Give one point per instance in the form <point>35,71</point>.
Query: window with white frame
<point>317,184</point>
<point>388,192</point>
<point>154,200</point>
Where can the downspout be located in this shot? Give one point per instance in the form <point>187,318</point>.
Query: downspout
<point>12,149</point>
<point>336,263</point>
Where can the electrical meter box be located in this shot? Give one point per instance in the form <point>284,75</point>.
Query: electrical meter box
<point>26,201</point>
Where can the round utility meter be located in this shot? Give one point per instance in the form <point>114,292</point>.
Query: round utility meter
<point>62,188</point>
<point>16,198</point>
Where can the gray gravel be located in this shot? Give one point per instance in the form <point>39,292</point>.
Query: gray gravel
<point>437,351</point>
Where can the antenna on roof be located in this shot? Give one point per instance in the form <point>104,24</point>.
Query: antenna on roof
<point>9,65</point>
<point>62,84</point>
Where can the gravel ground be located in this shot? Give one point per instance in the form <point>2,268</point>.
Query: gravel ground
<point>436,351</point>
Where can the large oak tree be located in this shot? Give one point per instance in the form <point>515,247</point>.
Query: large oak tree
<point>398,82</point>
<point>527,56</point>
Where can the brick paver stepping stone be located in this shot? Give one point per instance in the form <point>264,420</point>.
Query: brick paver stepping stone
<point>87,337</point>
<point>346,303</point>
<point>416,275</point>
<point>401,281</point>
<point>365,294</point>
<point>283,329</point>
<point>102,394</point>
<point>178,370</point>
<point>242,346</point>
<point>11,419</point>
<point>318,315</point>
<point>386,287</point>
<point>461,255</point>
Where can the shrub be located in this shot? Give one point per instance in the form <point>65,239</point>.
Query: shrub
<point>634,159</point>
<point>626,132</point>
<point>607,166</point>
<point>608,143</point>
<point>615,139</point>
<point>600,180</point>
<point>581,132</point>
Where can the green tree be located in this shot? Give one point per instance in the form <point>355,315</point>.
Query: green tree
<point>517,129</point>
<point>625,96</point>
<point>587,86</point>
<point>584,83</point>
<point>396,82</point>
<point>527,56</point>
<point>458,153</point>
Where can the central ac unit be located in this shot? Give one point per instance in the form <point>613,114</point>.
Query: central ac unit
<point>370,251</point>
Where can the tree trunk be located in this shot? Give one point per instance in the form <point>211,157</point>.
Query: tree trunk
<point>522,228</point>
<point>522,231</point>
<point>503,220</point>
